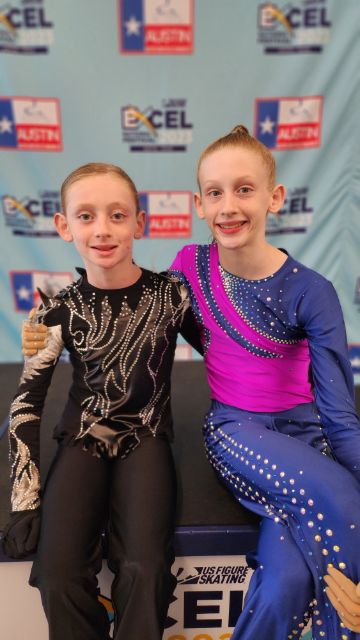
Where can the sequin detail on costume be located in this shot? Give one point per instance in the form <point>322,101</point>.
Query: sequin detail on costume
<point>122,345</point>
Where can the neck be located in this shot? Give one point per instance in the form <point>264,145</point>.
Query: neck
<point>113,279</point>
<point>252,263</point>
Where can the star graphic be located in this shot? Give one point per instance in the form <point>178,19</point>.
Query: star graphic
<point>267,125</point>
<point>5,125</point>
<point>23,293</point>
<point>133,27</point>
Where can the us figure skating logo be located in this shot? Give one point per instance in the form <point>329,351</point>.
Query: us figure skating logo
<point>30,124</point>
<point>289,123</point>
<point>163,128</point>
<point>25,27</point>
<point>168,213</point>
<point>297,27</point>
<point>156,26</point>
<point>31,215</point>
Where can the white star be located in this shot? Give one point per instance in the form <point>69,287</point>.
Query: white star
<point>267,125</point>
<point>132,27</point>
<point>24,293</point>
<point>5,125</point>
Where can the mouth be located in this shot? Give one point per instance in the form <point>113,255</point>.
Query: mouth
<point>104,249</point>
<point>231,227</point>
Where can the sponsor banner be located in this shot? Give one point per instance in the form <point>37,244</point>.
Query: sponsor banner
<point>30,124</point>
<point>163,128</point>
<point>296,27</point>
<point>357,293</point>
<point>156,26</point>
<point>24,285</point>
<point>168,213</point>
<point>296,215</point>
<point>354,354</point>
<point>208,598</point>
<point>31,216</point>
<point>25,27</point>
<point>289,122</point>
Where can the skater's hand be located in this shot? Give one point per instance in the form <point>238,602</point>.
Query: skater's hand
<point>21,534</point>
<point>344,595</point>
<point>33,336</point>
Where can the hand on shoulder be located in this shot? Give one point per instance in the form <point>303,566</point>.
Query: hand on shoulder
<point>344,595</point>
<point>33,336</point>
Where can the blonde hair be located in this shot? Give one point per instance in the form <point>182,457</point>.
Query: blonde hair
<point>93,169</point>
<point>239,136</point>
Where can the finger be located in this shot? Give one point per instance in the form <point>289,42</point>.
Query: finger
<point>348,618</point>
<point>30,327</point>
<point>32,312</point>
<point>29,352</point>
<point>29,336</point>
<point>342,596</point>
<point>344,583</point>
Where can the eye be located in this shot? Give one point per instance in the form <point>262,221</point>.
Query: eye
<point>245,190</point>
<point>85,216</point>
<point>118,215</point>
<point>213,193</point>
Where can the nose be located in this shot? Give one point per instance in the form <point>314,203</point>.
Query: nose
<point>102,227</point>
<point>228,205</point>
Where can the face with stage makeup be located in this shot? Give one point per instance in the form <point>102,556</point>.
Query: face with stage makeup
<point>236,194</point>
<point>101,217</point>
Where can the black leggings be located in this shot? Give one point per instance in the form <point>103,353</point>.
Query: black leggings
<point>136,496</point>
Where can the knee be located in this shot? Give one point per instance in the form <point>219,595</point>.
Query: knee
<point>289,583</point>
<point>57,578</point>
<point>141,564</point>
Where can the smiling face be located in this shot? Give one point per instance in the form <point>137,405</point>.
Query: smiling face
<point>101,219</point>
<point>236,195</point>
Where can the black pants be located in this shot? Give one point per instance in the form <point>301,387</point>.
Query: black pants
<point>136,496</point>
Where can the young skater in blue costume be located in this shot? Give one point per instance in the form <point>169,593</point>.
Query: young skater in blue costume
<point>282,432</point>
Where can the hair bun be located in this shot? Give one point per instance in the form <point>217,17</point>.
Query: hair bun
<point>239,130</point>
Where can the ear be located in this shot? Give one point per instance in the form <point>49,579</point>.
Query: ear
<point>140,225</point>
<point>62,227</point>
<point>198,205</point>
<point>277,198</point>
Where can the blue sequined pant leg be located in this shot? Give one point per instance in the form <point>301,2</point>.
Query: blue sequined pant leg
<point>274,466</point>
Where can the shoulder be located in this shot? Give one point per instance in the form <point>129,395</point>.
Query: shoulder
<point>188,255</point>
<point>51,306</point>
<point>166,281</point>
<point>309,280</point>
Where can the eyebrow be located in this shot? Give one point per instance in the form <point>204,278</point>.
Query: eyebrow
<point>216,181</point>
<point>111,205</point>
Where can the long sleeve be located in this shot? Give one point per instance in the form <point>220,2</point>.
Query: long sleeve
<point>189,330</point>
<point>25,416</point>
<point>320,314</point>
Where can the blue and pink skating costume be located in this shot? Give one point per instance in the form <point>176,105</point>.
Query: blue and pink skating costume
<point>282,433</point>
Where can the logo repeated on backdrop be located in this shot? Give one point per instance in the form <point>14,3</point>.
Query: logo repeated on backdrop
<point>31,216</point>
<point>354,354</point>
<point>164,128</point>
<point>24,286</point>
<point>156,26</point>
<point>25,27</point>
<point>168,213</point>
<point>295,216</point>
<point>289,122</point>
<point>30,124</point>
<point>296,27</point>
